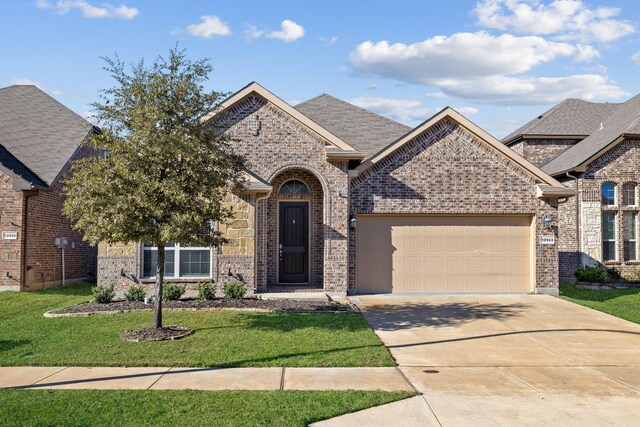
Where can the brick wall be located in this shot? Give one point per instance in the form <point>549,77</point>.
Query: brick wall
<point>447,170</point>
<point>43,258</point>
<point>11,219</point>
<point>540,151</point>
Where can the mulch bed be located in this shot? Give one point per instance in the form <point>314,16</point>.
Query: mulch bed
<point>249,304</point>
<point>156,334</point>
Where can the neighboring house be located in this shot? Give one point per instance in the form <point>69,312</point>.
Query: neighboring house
<point>595,149</point>
<point>343,200</point>
<point>38,139</point>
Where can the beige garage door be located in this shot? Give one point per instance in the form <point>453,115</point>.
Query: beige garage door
<point>443,254</point>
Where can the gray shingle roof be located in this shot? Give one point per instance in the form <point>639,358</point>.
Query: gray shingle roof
<point>570,117</point>
<point>363,130</point>
<point>39,135</point>
<point>625,120</point>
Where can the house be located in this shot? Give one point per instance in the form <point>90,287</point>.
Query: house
<point>343,200</point>
<point>593,148</point>
<point>39,137</point>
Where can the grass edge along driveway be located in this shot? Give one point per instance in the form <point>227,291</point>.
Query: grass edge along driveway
<point>221,338</point>
<point>622,303</point>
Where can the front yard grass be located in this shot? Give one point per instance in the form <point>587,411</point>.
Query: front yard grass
<point>220,338</point>
<point>182,408</point>
<point>623,303</point>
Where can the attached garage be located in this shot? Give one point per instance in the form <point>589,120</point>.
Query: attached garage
<point>449,254</point>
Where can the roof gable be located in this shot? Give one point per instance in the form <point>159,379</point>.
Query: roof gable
<point>571,117</point>
<point>255,88</point>
<point>365,131</point>
<point>451,114</point>
<point>623,122</point>
<point>39,132</point>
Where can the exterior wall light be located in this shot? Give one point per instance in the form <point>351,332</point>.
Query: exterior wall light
<point>352,221</point>
<point>546,221</point>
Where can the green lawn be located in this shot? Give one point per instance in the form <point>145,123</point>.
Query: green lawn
<point>182,408</point>
<point>221,338</point>
<point>623,303</point>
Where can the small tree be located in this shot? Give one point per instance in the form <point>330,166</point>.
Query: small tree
<point>162,174</point>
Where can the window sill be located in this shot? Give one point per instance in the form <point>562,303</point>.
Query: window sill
<point>176,279</point>
<point>612,262</point>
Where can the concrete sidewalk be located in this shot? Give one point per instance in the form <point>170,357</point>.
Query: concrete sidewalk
<point>383,379</point>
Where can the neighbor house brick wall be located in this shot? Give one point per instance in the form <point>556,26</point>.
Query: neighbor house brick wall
<point>447,170</point>
<point>45,222</point>
<point>11,219</point>
<point>540,151</point>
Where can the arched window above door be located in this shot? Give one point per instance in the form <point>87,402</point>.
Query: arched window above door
<point>294,187</point>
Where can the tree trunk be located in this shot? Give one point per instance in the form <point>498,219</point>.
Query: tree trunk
<point>157,307</point>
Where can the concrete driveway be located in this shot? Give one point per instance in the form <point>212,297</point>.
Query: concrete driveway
<point>512,360</point>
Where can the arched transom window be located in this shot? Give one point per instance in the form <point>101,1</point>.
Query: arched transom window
<point>608,194</point>
<point>629,194</point>
<point>294,187</point>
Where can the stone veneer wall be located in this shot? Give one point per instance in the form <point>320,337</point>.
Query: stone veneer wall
<point>447,170</point>
<point>11,219</point>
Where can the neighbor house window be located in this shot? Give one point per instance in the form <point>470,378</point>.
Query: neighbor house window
<point>180,261</point>
<point>608,236</point>
<point>608,194</point>
<point>294,187</point>
<point>629,194</point>
<point>629,225</point>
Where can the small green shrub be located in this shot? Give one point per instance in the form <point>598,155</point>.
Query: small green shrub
<point>590,273</point>
<point>135,293</point>
<point>103,294</point>
<point>173,291</point>
<point>234,290</point>
<point>206,290</point>
<point>614,273</point>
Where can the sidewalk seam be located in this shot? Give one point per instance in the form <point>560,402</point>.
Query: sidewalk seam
<point>159,378</point>
<point>50,375</point>
<point>282,379</point>
<point>407,379</point>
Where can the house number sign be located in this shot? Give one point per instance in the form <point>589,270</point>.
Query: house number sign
<point>9,235</point>
<point>547,240</point>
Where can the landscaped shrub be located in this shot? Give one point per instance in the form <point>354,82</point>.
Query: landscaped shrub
<point>135,293</point>
<point>614,273</point>
<point>206,290</point>
<point>173,291</point>
<point>103,294</point>
<point>590,273</point>
<point>234,290</point>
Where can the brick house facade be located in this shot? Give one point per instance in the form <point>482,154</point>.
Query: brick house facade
<point>340,180</point>
<point>32,163</point>
<point>601,156</point>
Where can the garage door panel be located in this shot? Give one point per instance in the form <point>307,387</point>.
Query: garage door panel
<point>443,254</point>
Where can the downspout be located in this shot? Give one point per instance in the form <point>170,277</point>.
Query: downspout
<point>577,216</point>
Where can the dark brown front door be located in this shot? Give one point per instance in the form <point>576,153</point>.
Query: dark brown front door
<point>294,242</point>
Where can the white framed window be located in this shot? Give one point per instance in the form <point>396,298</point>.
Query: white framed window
<point>180,261</point>
<point>628,194</point>
<point>630,232</point>
<point>608,236</point>
<point>608,194</point>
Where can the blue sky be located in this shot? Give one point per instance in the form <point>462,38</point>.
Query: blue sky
<point>499,62</point>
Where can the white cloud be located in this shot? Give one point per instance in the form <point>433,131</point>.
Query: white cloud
<point>253,32</point>
<point>564,19</point>
<point>403,110</point>
<point>333,40</point>
<point>438,94</point>
<point>62,7</point>
<point>533,90</point>
<point>635,58</point>
<point>461,55</point>
<point>372,86</point>
<point>26,81</point>
<point>209,27</point>
<point>289,31</point>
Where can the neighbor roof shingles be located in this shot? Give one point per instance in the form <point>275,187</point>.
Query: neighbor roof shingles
<point>571,117</point>
<point>363,130</point>
<point>39,132</point>
<point>625,120</point>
